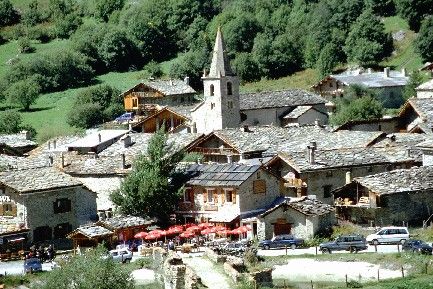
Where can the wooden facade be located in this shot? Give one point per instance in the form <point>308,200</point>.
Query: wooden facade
<point>167,117</point>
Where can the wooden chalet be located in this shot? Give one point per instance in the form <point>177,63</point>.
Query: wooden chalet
<point>125,227</point>
<point>167,117</point>
<point>90,236</point>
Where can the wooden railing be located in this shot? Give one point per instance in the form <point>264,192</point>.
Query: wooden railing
<point>209,207</point>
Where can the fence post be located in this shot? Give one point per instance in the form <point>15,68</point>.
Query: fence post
<point>375,248</point>
<point>426,268</point>
<point>286,249</point>
<point>398,248</point>
<point>402,272</point>
<point>378,278</point>
<point>312,287</point>
<point>347,285</point>
<point>316,250</point>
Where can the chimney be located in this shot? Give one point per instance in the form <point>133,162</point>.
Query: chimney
<point>50,161</point>
<point>348,177</point>
<point>99,137</point>
<point>369,70</point>
<point>126,139</point>
<point>129,127</point>
<point>171,82</point>
<point>62,165</point>
<point>49,145</point>
<point>408,152</point>
<point>317,122</point>
<point>386,72</point>
<point>54,144</point>
<point>27,135</point>
<point>404,72</point>
<point>123,161</point>
<point>229,159</point>
<point>186,80</point>
<point>311,152</point>
<point>245,128</point>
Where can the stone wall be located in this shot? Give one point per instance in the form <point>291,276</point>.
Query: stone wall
<point>177,275</point>
<point>236,270</point>
<point>214,256</point>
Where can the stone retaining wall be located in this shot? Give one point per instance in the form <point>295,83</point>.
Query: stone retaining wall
<point>177,275</point>
<point>214,257</point>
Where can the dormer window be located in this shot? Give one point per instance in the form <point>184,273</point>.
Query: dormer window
<point>212,90</point>
<point>229,88</point>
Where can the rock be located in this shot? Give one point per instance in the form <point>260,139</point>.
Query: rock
<point>399,35</point>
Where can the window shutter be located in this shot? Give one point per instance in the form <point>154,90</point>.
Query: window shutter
<point>14,210</point>
<point>215,196</point>
<point>1,210</point>
<point>204,196</point>
<point>223,196</point>
<point>69,205</point>
<point>234,197</point>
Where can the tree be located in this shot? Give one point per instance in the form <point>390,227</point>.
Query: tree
<point>10,122</point>
<point>8,15</point>
<point>381,8</point>
<point>327,60</point>
<point>85,115</point>
<point>88,271</point>
<point>239,32</point>
<point>24,92</point>
<point>118,51</point>
<point>152,188</point>
<point>67,25</point>
<point>246,67</point>
<point>414,11</point>
<point>424,41</point>
<point>367,42</point>
<point>32,15</point>
<point>415,80</point>
<point>104,8</point>
<point>60,8</point>
<point>364,108</point>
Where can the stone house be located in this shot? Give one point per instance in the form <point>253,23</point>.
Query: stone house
<point>303,217</point>
<point>47,202</point>
<point>280,108</point>
<point>388,84</point>
<point>425,90</point>
<point>388,198</point>
<point>426,148</point>
<point>428,66</point>
<point>317,172</point>
<point>16,144</point>
<point>385,124</point>
<point>222,193</point>
<point>143,97</point>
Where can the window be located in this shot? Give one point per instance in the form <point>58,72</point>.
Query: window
<point>188,195</point>
<point>211,90</point>
<point>258,175</point>
<point>61,230</point>
<point>134,102</point>
<point>229,196</point>
<point>8,209</point>
<point>230,104</point>
<point>229,88</point>
<point>212,105</point>
<point>329,174</point>
<point>327,191</point>
<point>330,84</point>
<point>259,186</point>
<point>210,195</point>
<point>62,206</point>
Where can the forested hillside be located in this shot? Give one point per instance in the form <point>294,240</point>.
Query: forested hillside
<point>51,46</point>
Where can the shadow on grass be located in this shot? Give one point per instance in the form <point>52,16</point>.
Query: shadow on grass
<point>36,109</point>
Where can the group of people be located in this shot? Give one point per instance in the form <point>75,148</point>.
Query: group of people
<point>47,254</point>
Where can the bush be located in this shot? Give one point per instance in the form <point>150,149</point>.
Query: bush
<point>24,92</point>
<point>85,115</point>
<point>154,69</point>
<point>24,45</point>
<point>67,25</point>
<point>11,122</point>
<point>40,33</point>
<point>8,14</point>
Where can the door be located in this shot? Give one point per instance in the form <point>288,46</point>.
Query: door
<point>42,234</point>
<point>282,228</point>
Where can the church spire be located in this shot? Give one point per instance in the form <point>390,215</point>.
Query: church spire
<point>220,63</point>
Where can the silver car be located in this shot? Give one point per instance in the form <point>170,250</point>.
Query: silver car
<point>121,255</point>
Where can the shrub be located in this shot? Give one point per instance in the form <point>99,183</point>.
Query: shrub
<point>23,92</point>
<point>154,69</point>
<point>8,14</point>
<point>11,122</point>
<point>24,45</point>
<point>85,115</point>
<point>67,25</point>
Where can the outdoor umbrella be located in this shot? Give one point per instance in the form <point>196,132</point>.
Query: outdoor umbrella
<point>217,228</point>
<point>153,236</point>
<point>141,235</point>
<point>175,230</point>
<point>206,231</point>
<point>193,228</point>
<point>187,234</point>
<point>205,225</point>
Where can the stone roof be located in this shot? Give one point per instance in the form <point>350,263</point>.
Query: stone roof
<point>304,205</point>
<point>424,108</point>
<point>297,112</point>
<point>399,181</point>
<point>37,179</point>
<point>271,139</point>
<point>220,65</point>
<point>55,145</point>
<point>17,140</point>
<point>120,222</point>
<point>98,138</point>
<point>339,158</point>
<point>282,98</point>
<point>372,80</point>
<point>401,139</point>
<point>91,231</point>
<point>170,87</point>
<point>426,85</point>
<point>184,110</point>
<point>233,174</point>
<point>89,165</point>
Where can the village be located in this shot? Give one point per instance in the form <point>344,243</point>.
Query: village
<point>262,170</point>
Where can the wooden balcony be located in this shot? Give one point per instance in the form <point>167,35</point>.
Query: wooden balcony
<point>215,151</point>
<point>293,183</point>
<point>210,207</point>
<point>187,206</point>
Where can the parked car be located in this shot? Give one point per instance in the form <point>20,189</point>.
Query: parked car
<point>32,265</point>
<point>351,243</point>
<point>127,116</point>
<point>234,248</point>
<point>417,246</point>
<point>389,235</point>
<point>122,255</point>
<point>281,241</point>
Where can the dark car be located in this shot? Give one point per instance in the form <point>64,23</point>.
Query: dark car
<point>281,241</point>
<point>32,265</point>
<point>352,243</point>
<point>234,247</point>
<point>417,246</point>
<point>127,116</point>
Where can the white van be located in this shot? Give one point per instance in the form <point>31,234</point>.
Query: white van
<point>389,235</point>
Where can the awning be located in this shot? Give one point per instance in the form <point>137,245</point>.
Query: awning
<point>16,240</point>
<point>223,217</point>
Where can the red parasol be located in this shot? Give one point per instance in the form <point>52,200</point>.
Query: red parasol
<point>141,235</point>
<point>152,236</point>
<point>174,230</point>
<point>187,234</point>
<point>205,225</point>
<point>224,232</point>
<point>243,229</point>
<point>193,228</point>
<point>217,228</point>
<point>206,231</point>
